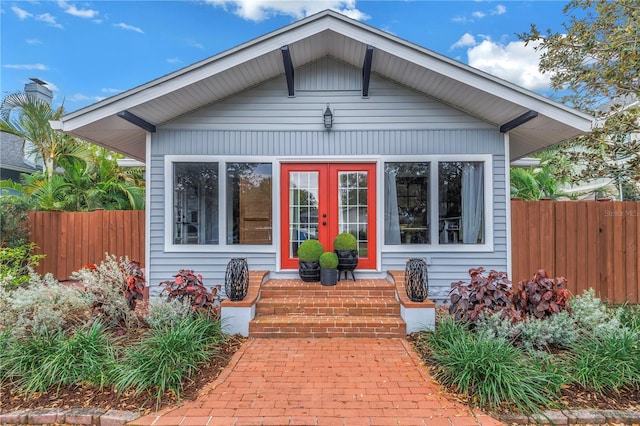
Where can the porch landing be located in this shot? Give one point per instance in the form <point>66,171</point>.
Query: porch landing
<point>373,308</point>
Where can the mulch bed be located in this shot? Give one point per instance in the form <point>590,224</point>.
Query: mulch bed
<point>91,397</point>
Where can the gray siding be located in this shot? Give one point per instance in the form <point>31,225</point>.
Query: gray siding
<point>264,122</point>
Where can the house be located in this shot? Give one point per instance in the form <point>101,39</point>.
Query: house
<point>13,159</point>
<point>324,126</point>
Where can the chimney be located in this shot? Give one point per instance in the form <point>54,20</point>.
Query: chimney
<point>39,89</point>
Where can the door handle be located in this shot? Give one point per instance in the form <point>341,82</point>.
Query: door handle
<point>324,223</point>
<point>324,215</point>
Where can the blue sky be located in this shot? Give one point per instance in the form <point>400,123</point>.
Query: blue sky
<point>89,50</point>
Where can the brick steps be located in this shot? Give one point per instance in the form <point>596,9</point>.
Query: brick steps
<point>326,326</point>
<point>293,308</point>
<point>356,306</point>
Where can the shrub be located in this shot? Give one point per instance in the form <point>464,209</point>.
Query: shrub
<point>16,264</point>
<point>591,315</point>
<point>166,313</point>
<point>345,241</point>
<point>489,293</point>
<point>541,296</point>
<point>115,285</point>
<point>14,221</point>
<point>310,251</point>
<point>536,333</point>
<point>491,372</point>
<point>329,260</point>
<point>188,287</point>
<point>629,316</point>
<point>45,307</point>
<point>168,356</point>
<point>86,357</point>
<point>24,357</point>
<point>607,361</point>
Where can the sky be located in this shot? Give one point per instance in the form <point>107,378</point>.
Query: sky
<point>87,51</point>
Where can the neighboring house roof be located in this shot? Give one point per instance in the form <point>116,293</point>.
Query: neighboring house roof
<point>328,33</point>
<point>12,156</point>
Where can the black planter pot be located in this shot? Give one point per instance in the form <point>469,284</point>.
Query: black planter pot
<point>347,262</point>
<point>309,271</point>
<point>328,276</point>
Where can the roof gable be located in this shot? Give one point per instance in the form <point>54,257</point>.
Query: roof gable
<point>328,33</point>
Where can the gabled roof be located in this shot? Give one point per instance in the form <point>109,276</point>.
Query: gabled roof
<point>328,33</point>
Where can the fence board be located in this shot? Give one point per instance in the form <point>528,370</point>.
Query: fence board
<point>594,245</point>
<point>73,239</point>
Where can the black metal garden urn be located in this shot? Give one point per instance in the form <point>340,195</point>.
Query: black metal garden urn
<point>236,279</point>
<point>347,262</point>
<point>416,281</point>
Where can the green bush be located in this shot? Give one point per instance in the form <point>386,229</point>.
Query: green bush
<point>23,358</point>
<point>14,221</point>
<point>16,264</point>
<point>329,260</point>
<point>607,361</point>
<point>168,356</point>
<point>86,357</point>
<point>491,372</point>
<point>345,241</point>
<point>629,316</point>
<point>310,251</point>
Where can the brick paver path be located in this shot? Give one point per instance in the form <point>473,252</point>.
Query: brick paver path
<point>324,381</point>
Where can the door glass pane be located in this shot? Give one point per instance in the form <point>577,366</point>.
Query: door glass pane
<point>303,209</point>
<point>353,210</point>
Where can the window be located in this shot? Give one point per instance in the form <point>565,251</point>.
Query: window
<point>248,205</point>
<point>461,202</point>
<point>195,203</point>
<point>455,189</point>
<point>406,212</point>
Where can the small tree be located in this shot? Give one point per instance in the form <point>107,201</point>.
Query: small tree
<point>595,64</point>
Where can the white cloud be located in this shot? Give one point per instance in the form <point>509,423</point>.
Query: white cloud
<point>39,67</point>
<point>464,41</point>
<point>128,27</point>
<point>479,14</point>
<point>21,13</point>
<point>513,62</point>
<point>73,10</point>
<point>49,19</point>
<point>259,10</point>
<point>174,61</point>
<point>193,43</point>
<point>499,10</point>
<point>33,41</point>
<point>110,90</point>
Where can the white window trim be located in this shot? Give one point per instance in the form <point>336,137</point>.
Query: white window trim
<point>222,247</point>
<point>435,246</point>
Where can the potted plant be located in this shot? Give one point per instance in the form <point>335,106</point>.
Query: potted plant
<point>328,268</point>
<point>309,254</point>
<point>346,247</point>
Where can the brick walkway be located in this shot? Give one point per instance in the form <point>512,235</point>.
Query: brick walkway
<point>325,381</point>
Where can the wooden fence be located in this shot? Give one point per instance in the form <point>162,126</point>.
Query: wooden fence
<point>73,239</point>
<point>591,243</point>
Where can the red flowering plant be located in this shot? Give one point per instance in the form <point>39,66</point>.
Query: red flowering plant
<point>189,286</point>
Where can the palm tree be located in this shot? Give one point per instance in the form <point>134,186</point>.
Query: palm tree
<point>27,116</point>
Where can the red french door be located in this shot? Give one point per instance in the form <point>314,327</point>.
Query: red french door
<point>319,201</point>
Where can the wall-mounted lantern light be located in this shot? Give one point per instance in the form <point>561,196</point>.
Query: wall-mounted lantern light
<point>328,118</point>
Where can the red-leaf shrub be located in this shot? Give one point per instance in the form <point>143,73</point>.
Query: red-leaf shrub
<point>482,293</point>
<point>541,296</point>
<point>134,289</point>
<point>189,286</point>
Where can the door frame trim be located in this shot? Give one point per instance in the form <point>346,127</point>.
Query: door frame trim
<point>373,162</point>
